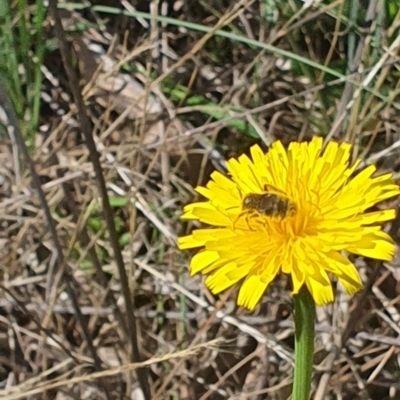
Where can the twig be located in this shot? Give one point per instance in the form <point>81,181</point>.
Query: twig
<point>108,214</point>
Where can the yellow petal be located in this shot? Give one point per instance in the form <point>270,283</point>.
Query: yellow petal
<point>344,270</point>
<point>298,277</point>
<point>377,245</point>
<point>218,281</point>
<point>202,260</point>
<point>189,242</point>
<point>320,288</point>
<point>227,276</point>
<point>211,216</point>
<point>251,291</point>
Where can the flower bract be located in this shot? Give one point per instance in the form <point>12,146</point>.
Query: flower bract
<point>295,211</point>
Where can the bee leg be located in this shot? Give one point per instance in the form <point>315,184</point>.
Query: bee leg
<point>246,215</point>
<point>236,220</point>
<point>247,222</point>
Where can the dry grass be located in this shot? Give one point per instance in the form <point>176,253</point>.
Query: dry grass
<point>167,103</point>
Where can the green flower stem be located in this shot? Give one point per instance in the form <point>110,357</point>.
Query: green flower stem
<point>304,319</point>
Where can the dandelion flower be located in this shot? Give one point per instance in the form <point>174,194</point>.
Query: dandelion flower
<point>295,212</point>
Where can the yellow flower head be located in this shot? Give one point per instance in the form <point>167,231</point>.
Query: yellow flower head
<point>292,211</point>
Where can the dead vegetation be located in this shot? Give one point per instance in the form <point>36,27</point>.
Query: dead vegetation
<point>169,92</point>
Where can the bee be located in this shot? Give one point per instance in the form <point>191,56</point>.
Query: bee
<point>272,202</point>
<point>269,204</point>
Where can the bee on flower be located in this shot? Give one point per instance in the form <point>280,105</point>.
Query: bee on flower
<point>293,211</point>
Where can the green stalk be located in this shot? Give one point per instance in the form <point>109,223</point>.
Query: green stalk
<point>304,317</point>
<point>37,74</point>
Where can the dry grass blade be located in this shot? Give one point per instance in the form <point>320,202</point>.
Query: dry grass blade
<point>39,386</point>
